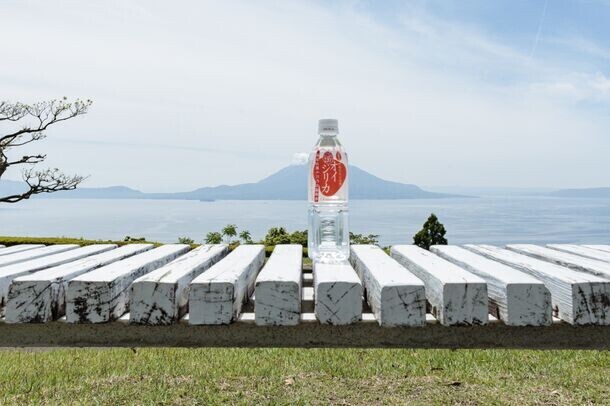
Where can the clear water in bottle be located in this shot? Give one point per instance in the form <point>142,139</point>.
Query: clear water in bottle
<point>328,237</point>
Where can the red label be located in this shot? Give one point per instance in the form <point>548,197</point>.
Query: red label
<point>329,174</point>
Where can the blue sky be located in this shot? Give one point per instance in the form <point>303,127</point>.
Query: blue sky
<point>187,94</point>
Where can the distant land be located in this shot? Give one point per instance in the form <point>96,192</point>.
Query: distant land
<point>492,191</point>
<point>598,192</point>
<point>289,183</point>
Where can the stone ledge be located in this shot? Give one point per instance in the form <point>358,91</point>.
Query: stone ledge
<point>306,335</point>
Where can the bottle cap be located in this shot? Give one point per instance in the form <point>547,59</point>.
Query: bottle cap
<point>328,126</point>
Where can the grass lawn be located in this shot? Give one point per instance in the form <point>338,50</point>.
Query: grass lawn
<point>306,376</point>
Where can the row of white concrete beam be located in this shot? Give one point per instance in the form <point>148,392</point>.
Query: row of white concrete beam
<point>522,285</point>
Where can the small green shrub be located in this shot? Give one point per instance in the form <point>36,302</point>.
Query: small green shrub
<point>363,239</point>
<point>277,235</point>
<point>299,237</point>
<point>245,237</point>
<point>432,233</point>
<point>134,239</point>
<point>213,237</point>
<point>186,240</point>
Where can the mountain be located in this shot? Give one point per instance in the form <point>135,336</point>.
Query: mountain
<point>289,183</point>
<point>598,192</point>
<point>9,187</point>
<point>111,192</point>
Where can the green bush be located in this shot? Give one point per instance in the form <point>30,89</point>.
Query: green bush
<point>213,237</point>
<point>245,237</point>
<point>134,239</point>
<point>229,231</point>
<point>432,233</point>
<point>363,239</point>
<point>299,237</point>
<point>186,240</point>
<point>277,235</point>
<point>227,235</point>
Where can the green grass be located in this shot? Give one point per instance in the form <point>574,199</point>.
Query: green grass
<point>9,240</point>
<point>282,376</point>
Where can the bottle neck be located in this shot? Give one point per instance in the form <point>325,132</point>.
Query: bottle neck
<point>328,141</point>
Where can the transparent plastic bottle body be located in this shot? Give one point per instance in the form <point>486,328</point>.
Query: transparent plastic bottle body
<point>328,237</point>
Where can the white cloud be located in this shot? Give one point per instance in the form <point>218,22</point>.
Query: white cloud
<point>427,102</point>
<point>300,158</point>
<point>577,88</point>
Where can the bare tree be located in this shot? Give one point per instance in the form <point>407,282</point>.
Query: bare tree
<point>36,118</point>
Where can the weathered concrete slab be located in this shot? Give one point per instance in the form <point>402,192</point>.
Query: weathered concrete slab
<point>571,261</point>
<point>10,272</point>
<point>396,296</point>
<point>578,297</point>
<point>40,296</point>
<point>18,248</point>
<point>307,302</point>
<point>161,296</point>
<point>605,248</point>
<point>23,256</point>
<point>516,298</point>
<point>307,299</point>
<point>278,288</point>
<point>457,297</point>
<point>217,295</point>
<point>307,279</point>
<point>337,293</point>
<point>582,251</point>
<point>102,295</point>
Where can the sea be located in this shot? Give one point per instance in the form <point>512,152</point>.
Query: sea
<point>494,220</point>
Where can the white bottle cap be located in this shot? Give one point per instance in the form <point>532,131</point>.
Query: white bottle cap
<point>328,126</point>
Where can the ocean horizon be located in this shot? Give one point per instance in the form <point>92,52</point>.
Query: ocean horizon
<point>486,220</point>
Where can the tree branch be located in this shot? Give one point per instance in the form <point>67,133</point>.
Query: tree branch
<point>45,113</point>
<point>42,115</point>
<point>11,112</point>
<point>28,159</point>
<point>47,181</point>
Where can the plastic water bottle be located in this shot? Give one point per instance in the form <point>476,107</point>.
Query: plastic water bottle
<point>328,237</point>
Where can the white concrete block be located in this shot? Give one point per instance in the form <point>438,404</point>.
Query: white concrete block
<point>307,279</point>
<point>18,248</point>
<point>457,297</point>
<point>307,302</point>
<point>28,255</point>
<point>572,261</point>
<point>578,297</point>
<point>161,296</point>
<point>217,295</point>
<point>40,296</point>
<point>278,288</point>
<point>396,296</point>
<point>102,295</point>
<point>583,251</point>
<point>337,293</point>
<point>605,248</point>
<point>516,297</point>
<point>10,272</point>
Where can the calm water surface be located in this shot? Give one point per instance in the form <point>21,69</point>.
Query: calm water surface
<point>492,220</point>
